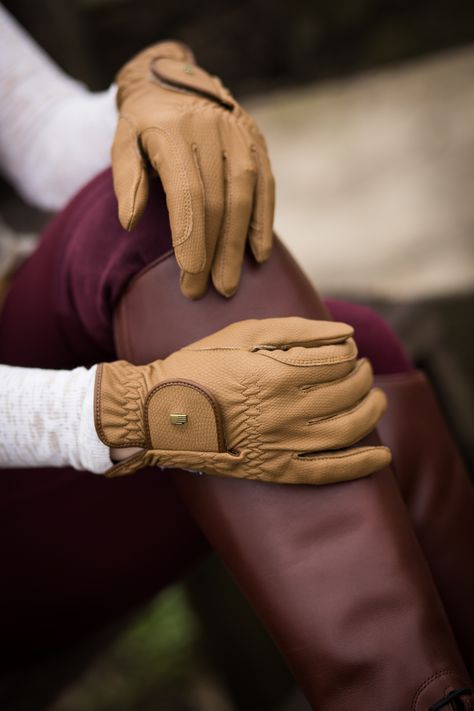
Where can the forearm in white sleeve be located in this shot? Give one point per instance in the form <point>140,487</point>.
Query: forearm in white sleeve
<point>54,133</point>
<point>47,419</point>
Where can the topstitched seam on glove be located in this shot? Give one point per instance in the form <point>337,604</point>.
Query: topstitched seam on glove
<point>283,347</point>
<point>214,348</point>
<point>307,361</point>
<point>257,222</point>
<point>184,182</point>
<point>227,221</point>
<point>350,453</point>
<point>142,177</point>
<point>197,165</point>
<point>311,387</point>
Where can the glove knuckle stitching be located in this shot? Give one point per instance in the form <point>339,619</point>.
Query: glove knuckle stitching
<point>183,179</point>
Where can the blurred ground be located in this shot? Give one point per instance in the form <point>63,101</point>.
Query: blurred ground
<point>157,656</point>
<point>154,660</point>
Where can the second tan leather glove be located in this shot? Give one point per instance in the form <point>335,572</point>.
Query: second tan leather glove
<point>210,156</point>
<point>282,400</point>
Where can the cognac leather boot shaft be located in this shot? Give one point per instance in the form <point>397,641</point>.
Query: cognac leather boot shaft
<point>335,572</point>
<point>438,494</point>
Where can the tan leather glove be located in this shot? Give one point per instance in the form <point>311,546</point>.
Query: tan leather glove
<point>211,158</point>
<point>281,400</point>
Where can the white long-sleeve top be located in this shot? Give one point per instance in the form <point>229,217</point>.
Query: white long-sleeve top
<point>54,133</point>
<point>54,136</point>
<point>47,419</point>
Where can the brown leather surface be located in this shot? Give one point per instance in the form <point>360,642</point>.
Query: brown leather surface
<point>335,572</point>
<point>170,321</point>
<point>438,493</point>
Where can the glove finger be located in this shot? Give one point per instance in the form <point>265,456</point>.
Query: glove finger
<point>272,334</point>
<point>324,468</point>
<point>344,429</point>
<point>210,167</point>
<point>261,225</point>
<point>333,467</point>
<point>239,194</point>
<point>326,358</point>
<point>129,175</point>
<point>185,196</point>
<point>333,397</point>
<point>295,332</point>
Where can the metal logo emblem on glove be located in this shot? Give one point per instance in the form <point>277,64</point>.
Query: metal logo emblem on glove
<point>178,419</point>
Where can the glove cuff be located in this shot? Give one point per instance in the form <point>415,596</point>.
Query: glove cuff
<point>120,392</point>
<point>174,416</point>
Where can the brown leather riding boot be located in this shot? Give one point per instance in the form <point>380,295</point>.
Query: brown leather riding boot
<point>438,494</point>
<point>335,572</point>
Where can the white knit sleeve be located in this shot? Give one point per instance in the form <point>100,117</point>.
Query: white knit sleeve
<point>54,133</point>
<point>47,419</point>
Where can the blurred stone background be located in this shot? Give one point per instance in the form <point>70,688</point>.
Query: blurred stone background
<point>368,110</point>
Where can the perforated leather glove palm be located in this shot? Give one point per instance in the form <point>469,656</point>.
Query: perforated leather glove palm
<point>282,400</point>
<point>210,156</point>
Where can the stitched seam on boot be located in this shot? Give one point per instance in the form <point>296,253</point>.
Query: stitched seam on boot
<point>427,682</point>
